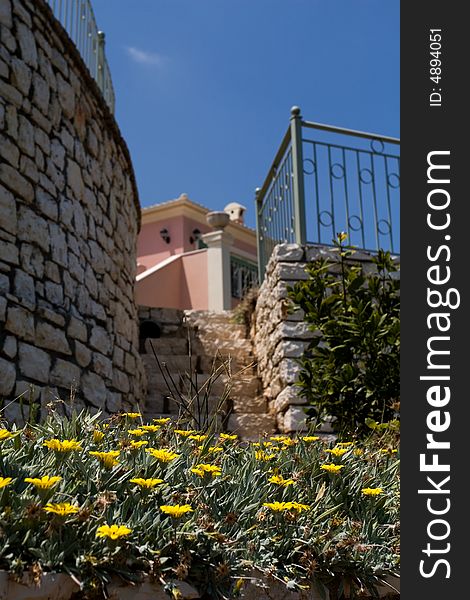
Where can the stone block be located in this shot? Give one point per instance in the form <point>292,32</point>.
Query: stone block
<point>51,338</point>
<point>114,402</point>
<point>94,390</point>
<point>41,93</point>
<point>82,354</point>
<point>34,362</point>
<point>289,370</point>
<point>47,204</point>
<point>9,253</point>
<point>100,340</point>
<point>77,329</point>
<point>24,287</point>
<point>66,96</point>
<point>7,377</point>
<point>9,151</point>
<point>5,14</point>
<point>289,395</point>
<point>20,322</point>
<point>294,420</point>
<point>54,293</point>
<point>288,252</point>
<point>65,374</point>
<point>75,179</point>
<point>290,271</point>
<point>26,136</point>
<point>102,365</point>
<point>8,220</point>
<point>3,307</point>
<point>121,381</point>
<point>20,186</point>
<point>58,244</point>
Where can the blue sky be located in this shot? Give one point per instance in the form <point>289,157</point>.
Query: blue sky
<point>204,87</point>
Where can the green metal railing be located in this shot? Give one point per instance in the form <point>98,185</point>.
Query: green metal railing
<point>324,180</point>
<point>78,19</point>
<point>244,275</point>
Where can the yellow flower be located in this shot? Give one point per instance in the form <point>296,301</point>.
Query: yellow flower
<point>185,432</point>
<point>43,483</point>
<point>345,444</point>
<point>6,435</point>
<point>98,436</point>
<point>331,468</point>
<point>372,491</point>
<point>212,449</point>
<point>162,420</point>
<point>342,236</point>
<point>146,483</point>
<point>163,455</point>
<point>279,480</point>
<point>388,450</point>
<point>261,455</point>
<point>131,415</point>
<point>289,442</point>
<point>358,451</point>
<point>310,438</point>
<point>138,444</point>
<point>281,506</point>
<point>300,507</point>
<point>62,509</point>
<point>277,506</point>
<point>150,428</point>
<point>113,531</point>
<point>137,432</point>
<point>107,458</point>
<point>4,481</point>
<point>204,468</point>
<point>279,438</point>
<point>176,510</point>
<point>337,451</point>
<point>227,436</point>
<point>198,437</point>
<point>63,446</point>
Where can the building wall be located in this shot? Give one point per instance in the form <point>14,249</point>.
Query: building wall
<point>69,218</point>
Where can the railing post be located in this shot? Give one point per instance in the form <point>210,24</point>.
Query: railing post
<point>298,176</point>
<point>101,60</point>
<point>259,244</point>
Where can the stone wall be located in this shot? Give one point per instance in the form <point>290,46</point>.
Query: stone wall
<point>69,218</point>
<point>281,336</point>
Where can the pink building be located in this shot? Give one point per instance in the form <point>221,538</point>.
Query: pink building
<point>192,258</point>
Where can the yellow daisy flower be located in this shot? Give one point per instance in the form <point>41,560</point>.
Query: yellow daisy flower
<point>113,531</point>
<point>43,483</point>
<point>163,454</point>
<point>332,468</point>
<point>372,491</point>
<point>161,420</point>
<point>4,481</point>
<point>62,509</point>
<point>205,468</point>
<point>62,446</point>
<point>146,483</point>
<point>279,480</point>
<point>108,459</point>
<point>176,510</point>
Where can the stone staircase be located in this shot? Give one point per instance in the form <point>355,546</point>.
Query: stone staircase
<point>203,354</point>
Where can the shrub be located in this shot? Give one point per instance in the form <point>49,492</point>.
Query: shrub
<point>351,369</point>
<point>85,497</point>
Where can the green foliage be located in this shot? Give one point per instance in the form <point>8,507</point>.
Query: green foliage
<point>344,536</point>
<point>351,369</point>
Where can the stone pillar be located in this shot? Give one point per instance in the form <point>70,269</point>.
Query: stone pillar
<point>219,244</point>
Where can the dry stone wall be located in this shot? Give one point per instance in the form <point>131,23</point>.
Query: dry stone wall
<point>280,334</point>
<point>69,218</point>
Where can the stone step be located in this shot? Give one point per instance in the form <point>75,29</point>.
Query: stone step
<point>178,363</point>
<point>167,345</point>
<point>251,426</point>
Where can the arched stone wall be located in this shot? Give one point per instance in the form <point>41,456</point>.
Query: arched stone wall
<point>69,218</point>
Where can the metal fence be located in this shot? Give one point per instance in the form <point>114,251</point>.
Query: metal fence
<point>244,275</point>
<point>324,180</point>
<point>78,19</point>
